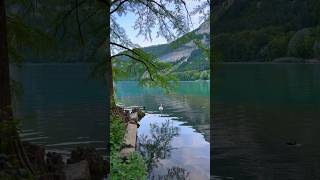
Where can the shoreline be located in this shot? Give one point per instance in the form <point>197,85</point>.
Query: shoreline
<point>83,162</point>
<point>229,62</point>
<point>248,62</point>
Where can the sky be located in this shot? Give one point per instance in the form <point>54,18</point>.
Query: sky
<point>127,22</point>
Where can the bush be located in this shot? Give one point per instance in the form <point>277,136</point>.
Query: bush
<point>117,131</point>
<point>300,45</point>
<point>133,168</point>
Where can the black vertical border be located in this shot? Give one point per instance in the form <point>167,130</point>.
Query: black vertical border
<point>211,91</point>
<point>108,59</point>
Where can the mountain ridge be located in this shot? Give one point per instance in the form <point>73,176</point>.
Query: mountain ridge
<point>183,53</point>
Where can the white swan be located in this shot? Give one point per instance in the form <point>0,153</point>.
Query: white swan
<point>161,108</point>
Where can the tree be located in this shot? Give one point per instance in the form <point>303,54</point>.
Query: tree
<point>171,22</point>
<point>17,32</point>
<point>9,139</point>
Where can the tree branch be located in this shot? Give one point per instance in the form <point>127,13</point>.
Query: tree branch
<point>119,5</point>
<point>119,45</point>
<point>185,7</point>
<point>165,10</point>
<point>134,58</point>
<point>78,23</point>
<point>75,8</point>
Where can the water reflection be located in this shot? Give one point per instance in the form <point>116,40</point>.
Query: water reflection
<point>56,98</point>
<point>174,173</point>
<point>175,142</point>
<point>189,101</point>
<point>257,109</point>
<point>157,145</point>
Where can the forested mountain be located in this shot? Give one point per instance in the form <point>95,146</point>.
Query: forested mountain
<point>264,30</point>
<point>188,60</point>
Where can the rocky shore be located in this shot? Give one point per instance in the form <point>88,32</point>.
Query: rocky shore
<point>84,163</point>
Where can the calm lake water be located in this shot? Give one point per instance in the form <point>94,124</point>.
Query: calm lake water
<point>61,107</point>
<point>175,142</point>
<point>257,109</point>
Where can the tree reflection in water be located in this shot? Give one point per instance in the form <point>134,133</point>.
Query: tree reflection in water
<point>174,173</point>
<point>156,146</point>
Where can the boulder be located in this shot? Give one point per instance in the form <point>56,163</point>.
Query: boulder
<point>95,160</point>
<point>55,165</point>
<point>77,171</point>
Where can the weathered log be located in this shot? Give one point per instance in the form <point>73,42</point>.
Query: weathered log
<point>130,137</point>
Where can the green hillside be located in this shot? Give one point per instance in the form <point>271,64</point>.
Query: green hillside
<point>188,60</point>
<point>264,30</point>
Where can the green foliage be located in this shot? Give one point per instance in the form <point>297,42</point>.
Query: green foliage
<point>143,64</point>
<point>256,14</point>
<point>157,145</point>
<point>204,49</point>
<point>23,38</point>
<point>56,31</point>
<point>117,130</point>
<point>145,68</point>
<point>8,129</point>
<point>196,61</point>
<point>158,50</point>
<point>190,36</point>
<point>193,75</point>
<point>205,75</point>
<point>298,44</point>
<point>169,16</point>
<point>133,168</point>
<point>263,30</point>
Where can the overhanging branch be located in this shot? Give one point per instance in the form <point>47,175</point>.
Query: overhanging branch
<point>134,58</point>
<point>119,5</point>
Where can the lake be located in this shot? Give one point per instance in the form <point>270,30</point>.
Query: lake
<point>175,142</point>
<point>61,107</point>
<point>259,108</point>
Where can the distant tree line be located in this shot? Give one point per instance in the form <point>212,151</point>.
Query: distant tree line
<point>263,30</point>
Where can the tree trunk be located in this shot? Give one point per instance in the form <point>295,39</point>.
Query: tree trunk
<point>109,62</point>
<point>5,97</point>
<point>109,78</point>
<point>9,139</point>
